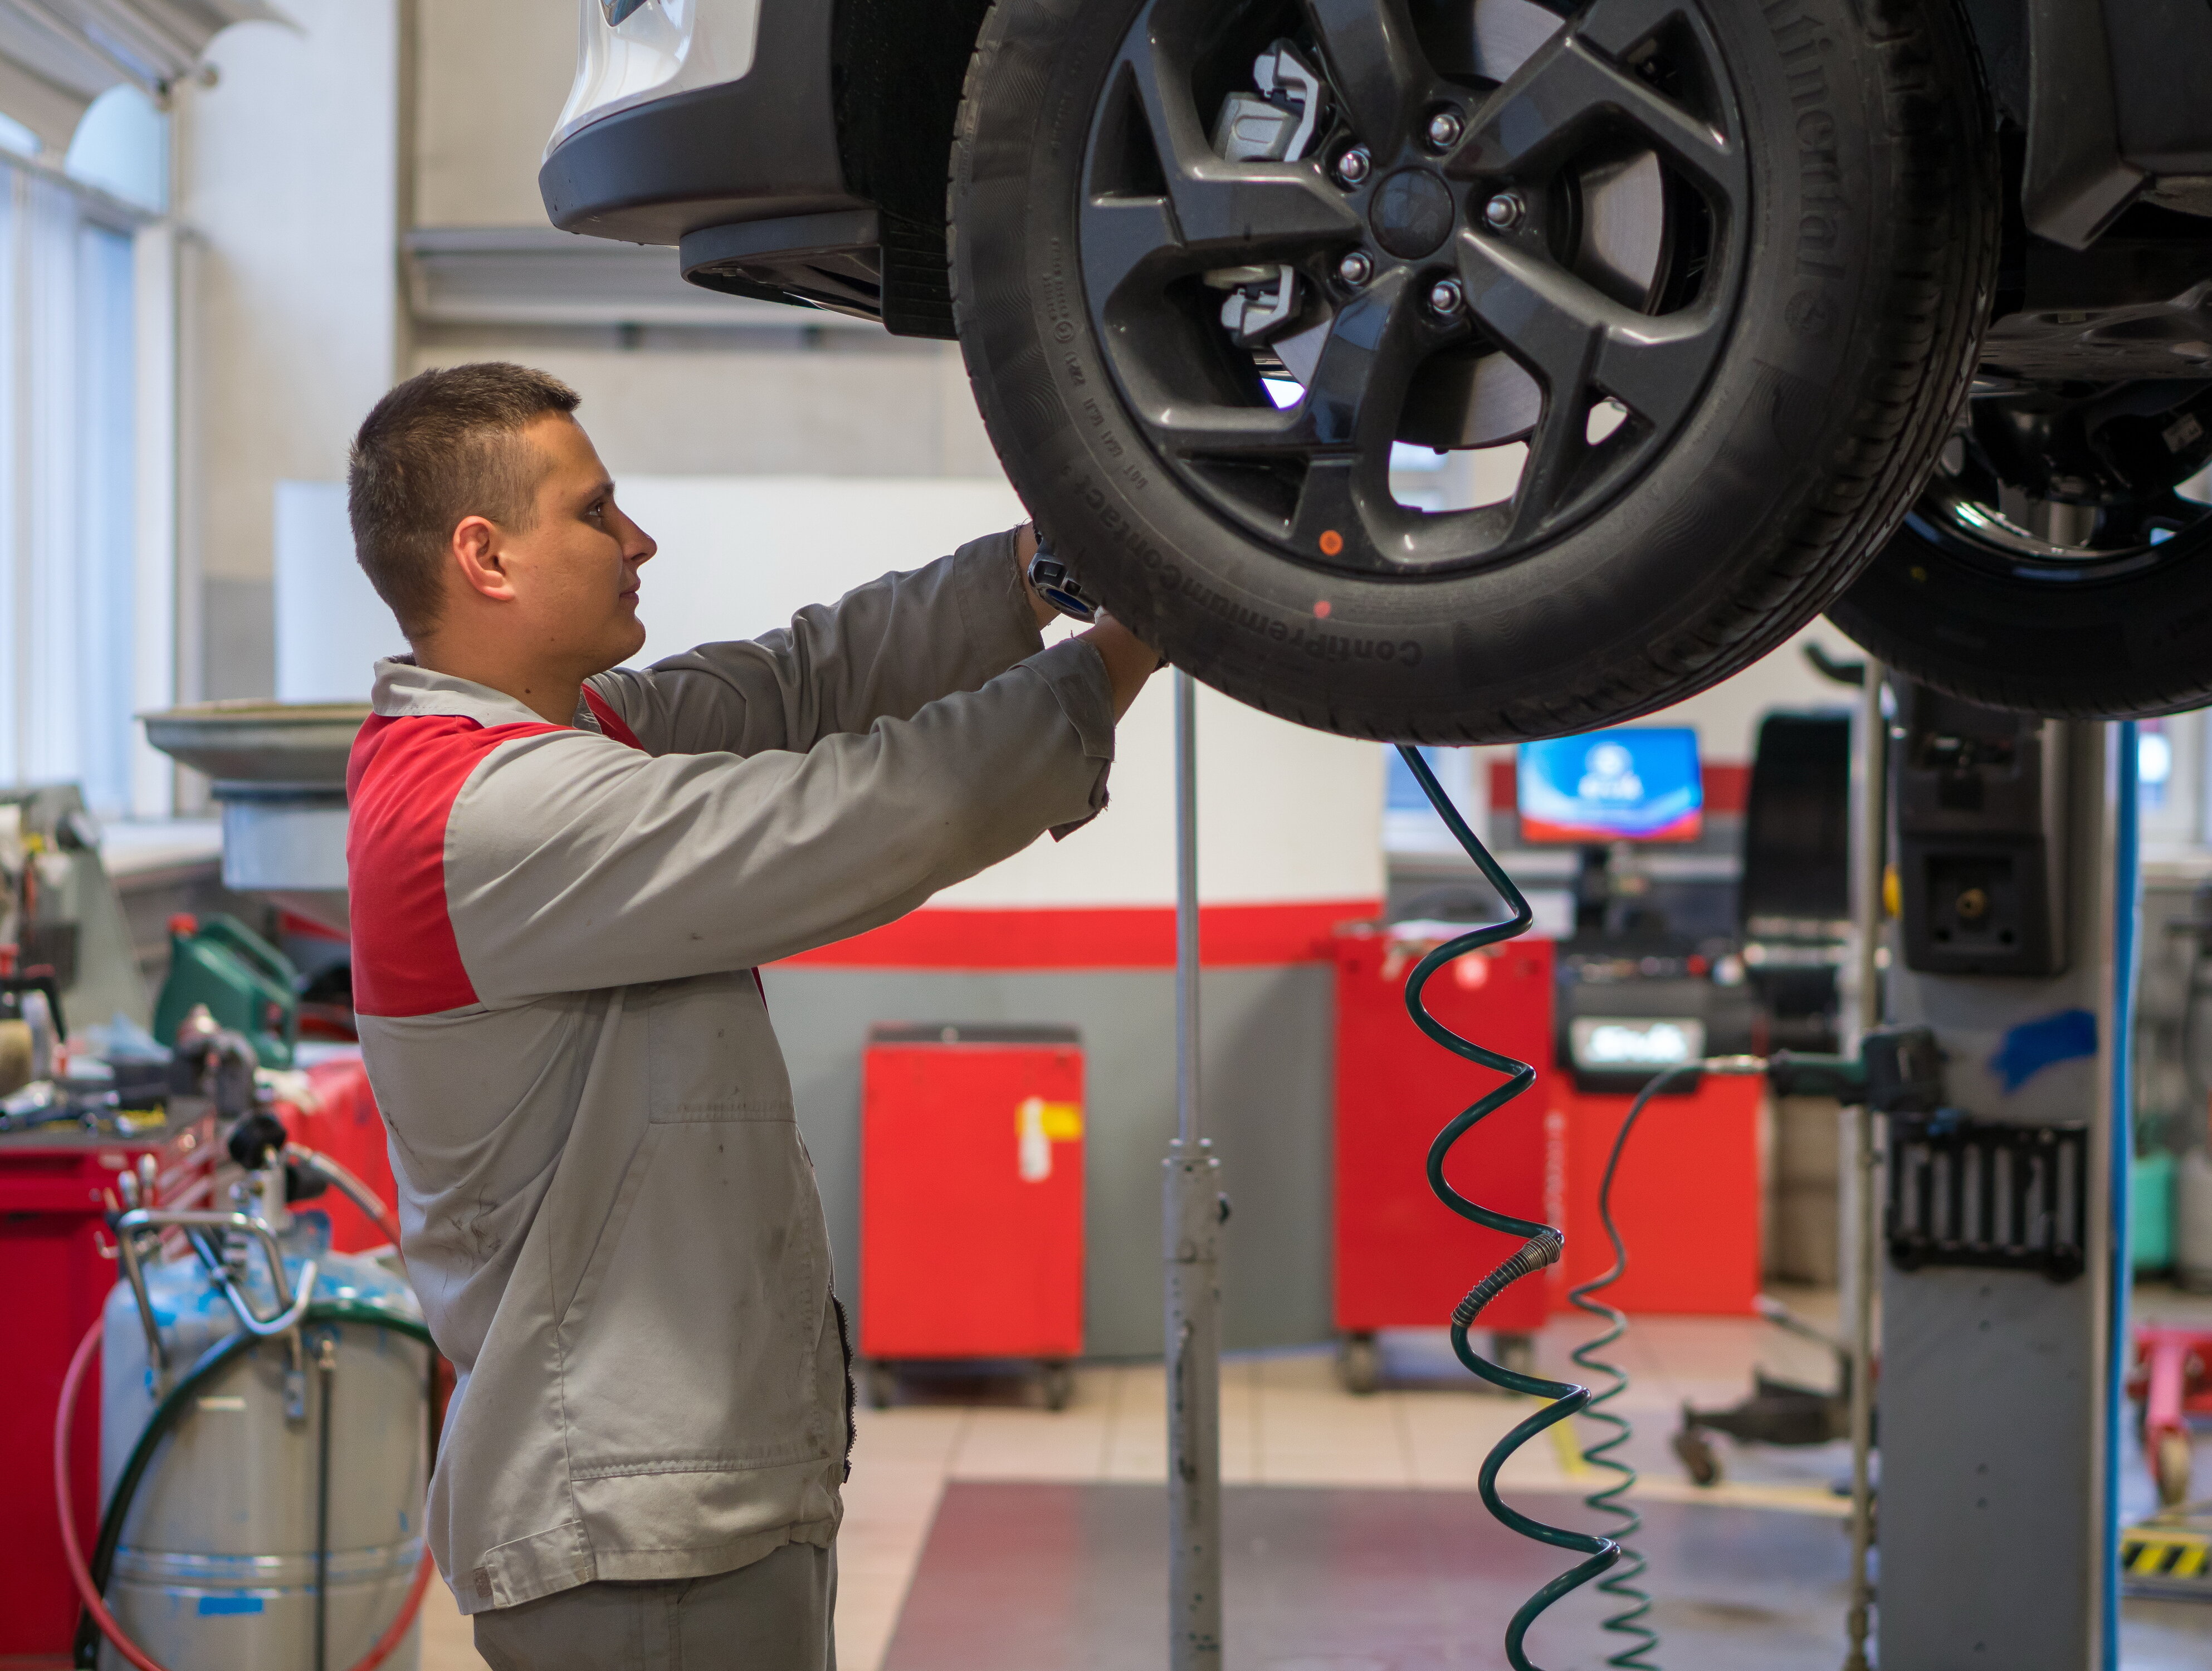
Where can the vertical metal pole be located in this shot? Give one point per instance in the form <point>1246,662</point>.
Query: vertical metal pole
<point>1191,1219</point>
<point>1863,1270</point>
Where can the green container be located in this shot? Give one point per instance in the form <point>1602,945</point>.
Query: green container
<point>247,984</point>
<point>2150,1211</point>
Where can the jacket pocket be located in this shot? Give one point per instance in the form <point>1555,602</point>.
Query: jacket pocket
<point>711,1052</point>
<point>691,1343</point>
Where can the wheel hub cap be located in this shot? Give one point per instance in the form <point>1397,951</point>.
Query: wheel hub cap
<point>1412,214</point>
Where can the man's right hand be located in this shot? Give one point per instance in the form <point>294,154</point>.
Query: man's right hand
<point>1129,661</point>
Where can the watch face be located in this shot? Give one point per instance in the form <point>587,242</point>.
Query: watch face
<point>1050,577</point>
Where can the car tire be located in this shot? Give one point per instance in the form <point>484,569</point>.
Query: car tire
<point>1845,300</point>
<point>2131,643</point>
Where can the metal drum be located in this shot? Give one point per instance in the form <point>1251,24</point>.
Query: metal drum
<point>215,1570</point>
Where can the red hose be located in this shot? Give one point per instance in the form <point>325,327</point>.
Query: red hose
<point>80,1574</point>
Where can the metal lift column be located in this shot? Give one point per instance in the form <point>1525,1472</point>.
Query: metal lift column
<point>1191,1222</point>
<point>2002,1291</point>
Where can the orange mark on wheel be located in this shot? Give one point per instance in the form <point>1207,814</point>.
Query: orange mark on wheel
<point>1320,609</point>
<point>1331,542</point>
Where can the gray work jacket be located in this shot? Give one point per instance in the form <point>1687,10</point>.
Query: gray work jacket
<point>608,1214</point>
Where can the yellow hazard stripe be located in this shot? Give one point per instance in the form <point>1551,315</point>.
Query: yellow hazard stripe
<point>2153,1556</point>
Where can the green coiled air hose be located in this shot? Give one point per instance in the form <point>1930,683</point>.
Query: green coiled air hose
<point>1621,1582</point>
<point>1540,1245</point>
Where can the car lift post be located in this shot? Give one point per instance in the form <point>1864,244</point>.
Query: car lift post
<point>1861,1216</point>
<point>2000,1401</point>
<point>1193,1211</point>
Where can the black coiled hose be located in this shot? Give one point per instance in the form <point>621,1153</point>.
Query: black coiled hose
<point>1541,1246</point>
<point>1621,1582</point>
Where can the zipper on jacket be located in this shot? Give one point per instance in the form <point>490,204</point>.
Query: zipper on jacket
<point>852,1394</point>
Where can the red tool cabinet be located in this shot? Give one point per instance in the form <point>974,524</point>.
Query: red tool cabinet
<point>1686,1199</point>
<point>971,1197</point>
<point>340,1120</point>
<point>1403,1259</point>
<point>54,1189</point>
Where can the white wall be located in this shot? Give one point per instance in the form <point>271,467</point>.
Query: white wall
<point>287,175</point>
<point>491,77</point>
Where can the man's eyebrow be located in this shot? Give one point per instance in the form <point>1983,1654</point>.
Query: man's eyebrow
<point>605,489</point>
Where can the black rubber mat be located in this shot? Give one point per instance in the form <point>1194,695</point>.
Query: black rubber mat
<point>1072,1577</point>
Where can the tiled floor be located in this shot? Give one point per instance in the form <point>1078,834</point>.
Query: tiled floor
<point>1285,1422</point>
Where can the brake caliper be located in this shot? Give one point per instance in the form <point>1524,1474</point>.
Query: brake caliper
<point>1280,122</point>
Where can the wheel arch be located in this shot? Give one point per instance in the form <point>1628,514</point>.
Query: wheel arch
<point>897,71</point>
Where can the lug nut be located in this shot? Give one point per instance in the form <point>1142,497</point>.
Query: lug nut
<point>1354,166</point>
<point>1446,297</point>
<point>1445,130</point>
<point>1503,211</point>
<point>1356,269</point>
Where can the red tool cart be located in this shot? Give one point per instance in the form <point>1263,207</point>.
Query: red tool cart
<point>1403,1259</point>
<point>1686,1199</point>
<point>971,1199</point>
<point>56,1186</point>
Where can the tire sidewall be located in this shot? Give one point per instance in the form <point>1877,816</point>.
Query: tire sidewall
<point>1637,586</point>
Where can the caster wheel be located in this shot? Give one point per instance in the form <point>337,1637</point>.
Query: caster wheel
<point>883,1385</point>
<point>1696,1457</point>
<point>1358,1364</point>
<point>1059,1386</point>
<point>2173,1466</point>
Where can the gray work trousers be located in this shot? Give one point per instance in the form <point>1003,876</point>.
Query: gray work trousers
<point>773,1615</point>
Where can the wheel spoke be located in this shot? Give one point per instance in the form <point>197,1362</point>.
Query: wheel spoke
<point>1570,335</point>
<point>1352,406</point>
<point>1376,65</point>
<point>1617,27</point>
<point>1542,114</point>
<point>1121,234</point>
<point>1555,450</point>
<point>1231,211</point>
<point>1360,382</point>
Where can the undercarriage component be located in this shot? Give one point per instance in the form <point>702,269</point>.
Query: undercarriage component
<point>2056,563</point>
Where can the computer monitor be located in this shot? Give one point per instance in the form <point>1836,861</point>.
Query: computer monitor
<point>1638,783</point>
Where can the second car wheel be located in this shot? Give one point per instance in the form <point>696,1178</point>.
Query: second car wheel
<point>2058,561</point>
<point>1686,292</point>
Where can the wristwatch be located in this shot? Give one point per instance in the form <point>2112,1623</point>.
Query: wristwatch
<point>1049,575</point>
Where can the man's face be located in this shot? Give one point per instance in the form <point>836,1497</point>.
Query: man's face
<point>574,569</point>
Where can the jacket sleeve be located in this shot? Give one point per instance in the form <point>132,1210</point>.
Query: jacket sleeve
<point>575,862</point>
<point>880,651</point>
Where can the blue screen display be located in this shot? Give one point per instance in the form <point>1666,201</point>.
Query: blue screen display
<point>1637,784</point>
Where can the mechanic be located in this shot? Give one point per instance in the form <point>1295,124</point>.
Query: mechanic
<point>563,875</point>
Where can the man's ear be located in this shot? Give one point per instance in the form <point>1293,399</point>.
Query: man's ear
<point>477,549</point>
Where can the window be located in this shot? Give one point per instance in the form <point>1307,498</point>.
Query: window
<point>1410,825</point>
<point>2170,777</point>
<point>71,602</point>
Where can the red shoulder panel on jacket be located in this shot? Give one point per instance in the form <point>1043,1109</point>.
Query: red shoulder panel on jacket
<point>401,783</point>
<point>609,721</point>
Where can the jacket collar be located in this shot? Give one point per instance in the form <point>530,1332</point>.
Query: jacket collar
<point>404,690</point>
